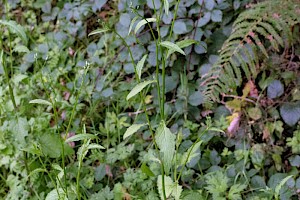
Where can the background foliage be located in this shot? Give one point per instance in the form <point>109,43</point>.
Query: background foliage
<point>64,111</point>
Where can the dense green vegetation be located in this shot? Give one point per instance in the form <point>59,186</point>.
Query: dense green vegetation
<point>149,99</point>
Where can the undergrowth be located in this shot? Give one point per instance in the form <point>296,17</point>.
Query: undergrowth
<point>172,99</point>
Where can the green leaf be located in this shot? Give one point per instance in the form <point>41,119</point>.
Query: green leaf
<point>257,155</point>
<point>132,129</point>
<point>21,49</point>
<point>80,137</point>
<point>290,113</point>
<point>166,6</point>
<point>118,192</point>
<point>171,46</point>
<point>98,31</point>
<point>186,43</point>
<point>236,190</point>
<point>254,113</point>
<point>165,141</point>
<point>132,23</point>
<point>280,185</point>
<point>20,128</point>
<point>41,101</point>
<point>216,129</point>
<point>171,188</point>
<point>217,184</point>
<point>182,44</point>
<point>16,28</point>
<point>143,22</point>
<point>209,4</point>
<point>196,98</point>
<point>295,161</point>
<point>57,167</point>
<point>140,66</point>
<point>56,194</point>
<point>38,170</point>
<point>145,169</point>
<point>95,146</point>
<point>51,145</point>
<point>275,89</point>
<point>216,16</point>
<point>139,87</point>
<point>191,153</point>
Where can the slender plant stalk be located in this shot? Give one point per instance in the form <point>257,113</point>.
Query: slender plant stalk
<point>53,103</point>
<point>190,151</point>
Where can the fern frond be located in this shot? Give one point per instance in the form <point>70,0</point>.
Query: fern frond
<point>266,27</point>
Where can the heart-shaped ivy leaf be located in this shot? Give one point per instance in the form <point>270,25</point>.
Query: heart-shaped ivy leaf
<point>290,113</point>
<point>275,89</point>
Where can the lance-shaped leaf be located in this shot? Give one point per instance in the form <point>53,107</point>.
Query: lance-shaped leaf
<point>98,31</point>
<point>80,137</point>
<point>139,87</point>
<point>41,101</point>
<point>191,153</point>
<point>16,28</point>
<point>140,66</point>
<point>166,6</point>
<point>182,44</point>
<point>95,146</point>
<point>132,23</point>
<point>132,129</point>
<point>142,23</point>
<point>172,47</point>
<point>165,141</point>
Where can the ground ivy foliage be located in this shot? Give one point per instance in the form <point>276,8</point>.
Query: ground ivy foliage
<point>104,100</point>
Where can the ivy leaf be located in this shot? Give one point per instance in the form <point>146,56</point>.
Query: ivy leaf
<point>139,87</point>
<point>257,155</point>
<point>125,19</point>
<point>196,98</point>
<point>275,89</point>
<point>142,23</point>
<point>98,5</point>
<point>216,16</point>
<point>290,113</point>
<point>201,48</point>
<point>295,161</point>
<point>204,19</point>
<point>166,143</point>
<point>179,27</point>
<point>171,46</point>
<point>209,4</point>
<point>236,4</point>
<point>132,129</point>
<point>258,182</point>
